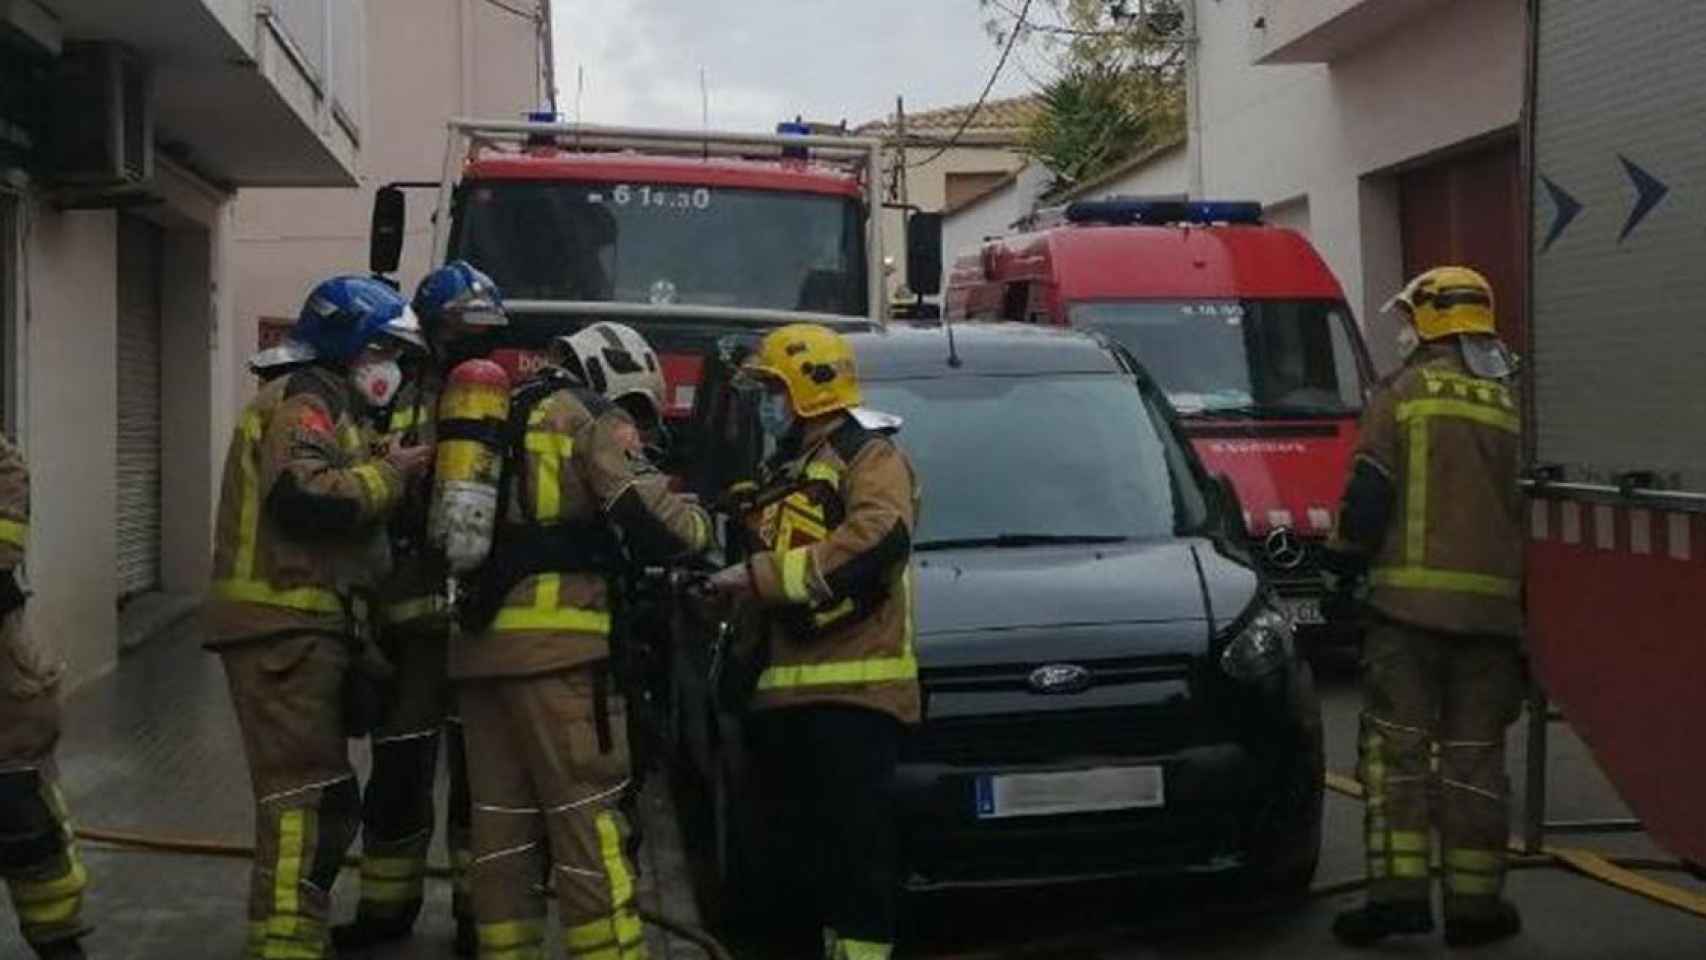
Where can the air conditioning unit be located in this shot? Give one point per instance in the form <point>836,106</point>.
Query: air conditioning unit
<point>101,121</point>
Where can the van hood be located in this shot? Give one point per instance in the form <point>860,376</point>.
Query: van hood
<point>991,605</point>
<point>1289,473</point>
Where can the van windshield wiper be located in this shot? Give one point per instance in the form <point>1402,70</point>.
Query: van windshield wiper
<point>1018,540</point>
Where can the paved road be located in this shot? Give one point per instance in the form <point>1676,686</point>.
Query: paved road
<point>152,747</point>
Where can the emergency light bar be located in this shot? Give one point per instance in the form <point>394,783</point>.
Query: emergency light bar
<point>1125,211</point>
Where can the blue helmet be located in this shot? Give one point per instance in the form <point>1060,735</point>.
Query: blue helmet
<point>458,292</point>
<point>341,318</point>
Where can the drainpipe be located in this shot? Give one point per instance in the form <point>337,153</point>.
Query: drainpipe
<point>1193,102</point>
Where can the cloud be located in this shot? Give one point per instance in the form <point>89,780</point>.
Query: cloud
<point>767,60</point>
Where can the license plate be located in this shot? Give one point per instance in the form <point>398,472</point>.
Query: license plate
<point>1305,613</point>
<point>1075,791</point>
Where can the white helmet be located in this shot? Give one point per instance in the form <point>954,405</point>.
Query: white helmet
<point>616,361</point>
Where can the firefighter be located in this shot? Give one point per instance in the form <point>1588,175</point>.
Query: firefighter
<point>1429,542</point>
<point>38,857</point>
<point>830,568</point>
<point>455,305</point>
<point>548,759</point>
<point>300,542</point>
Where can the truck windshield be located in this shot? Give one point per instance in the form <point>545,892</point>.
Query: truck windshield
<point>666,244</point>
<point>1118,472</point>
<point>1241,357</point>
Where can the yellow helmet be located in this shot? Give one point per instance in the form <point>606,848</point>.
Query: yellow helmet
<point>1446,301</point>
<point>814,363</point>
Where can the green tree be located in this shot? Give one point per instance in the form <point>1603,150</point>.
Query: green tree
<point>1115,84</point>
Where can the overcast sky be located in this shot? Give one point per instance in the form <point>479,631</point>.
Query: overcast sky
<point>766,60</point>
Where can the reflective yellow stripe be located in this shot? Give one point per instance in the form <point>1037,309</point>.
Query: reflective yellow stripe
<point>515,940</point>
<point>819,470</point>
<point>862,950</point>
<point>833,614</point>
<point>793,564</point>
<point>311,599</point>
<point>402,418</point>
<point>1473,884</point>
<point>615,864</point>
<point>295,928</point>
<point>550,449</point>
<point>1416,498</point>
<point>414,609</point>
<point>374,484</point>
<point>392,891</point>
<point>287,875</point>
<point>853,672</point>
<point>249,509</point>
<point>547,614</point>
<point>51,902</point>
<point>392,868</point>
<point>606,939</point>
<point>1422,578</point>
<point>15,533</point>
<point>1433,407</point>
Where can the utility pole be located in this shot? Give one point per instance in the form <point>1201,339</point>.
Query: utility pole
<point>548,35</point>
<point>900,192</point>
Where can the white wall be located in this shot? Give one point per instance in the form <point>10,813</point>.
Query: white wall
<point>427,60</point>
<point>993,215</point>
<point>70,437</point>
<point>927,188</point>
<point>1165,174</point>
<point>1332,133</point>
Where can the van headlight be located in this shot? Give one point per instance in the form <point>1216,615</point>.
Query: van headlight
<point>1260,649</point>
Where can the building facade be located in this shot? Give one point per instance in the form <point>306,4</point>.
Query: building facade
<point>125,131</point>
<point>430,60</point>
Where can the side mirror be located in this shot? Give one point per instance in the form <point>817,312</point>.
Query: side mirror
<point>385,250</point>
<point>1231,507</point>
<point>924,253</point>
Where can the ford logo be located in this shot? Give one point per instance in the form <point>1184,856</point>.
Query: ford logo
<point>1060,678</point>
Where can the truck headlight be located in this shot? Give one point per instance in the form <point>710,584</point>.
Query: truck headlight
<point>1260,649</point>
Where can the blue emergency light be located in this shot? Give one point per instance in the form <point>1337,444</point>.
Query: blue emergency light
<point>794,128</point>
<point>1124,211</point>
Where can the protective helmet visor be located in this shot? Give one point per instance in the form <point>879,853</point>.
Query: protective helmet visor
<point>1486,356</point>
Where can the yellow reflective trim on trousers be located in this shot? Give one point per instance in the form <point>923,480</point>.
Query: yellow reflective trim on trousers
<point>615,938</point>
<point>1408,866</point>
<point>1423,578</point>
<point>52,902</point>
<point>392,868</point>
<point>15,533</point>
<point>514,940</point>
<point>862,950</point>
<point>288,950</point>
<point>852,672</point>
<point>287,873</point>
<point>1475,861</point>
<point>547,614</point>
<point>311,599</point>
<point>615,864</point>
<point>1399,841</point>
<point>1473,885</point>
<point>550,449</point>
<point>393,891</point>
<point>794,564</point>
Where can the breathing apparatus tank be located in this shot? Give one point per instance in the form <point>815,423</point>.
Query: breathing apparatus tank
<point>472,415</point>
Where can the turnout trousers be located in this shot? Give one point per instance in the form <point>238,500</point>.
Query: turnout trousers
<point>397,809</point>
<point>831,769</point>
<point>1432,757</point>
<point>547,770</point>
<point>38,857</point>
<point>287,695</point>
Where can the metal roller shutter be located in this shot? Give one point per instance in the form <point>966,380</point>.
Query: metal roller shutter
<point>138,521</point>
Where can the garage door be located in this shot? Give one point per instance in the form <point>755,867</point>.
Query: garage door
<point>1468,210</point>
<point>138,521</point>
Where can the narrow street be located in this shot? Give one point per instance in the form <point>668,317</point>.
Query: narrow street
<point>151,748</point>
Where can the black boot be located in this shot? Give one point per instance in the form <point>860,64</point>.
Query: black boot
<point>368,932</point>
<point>62,950</point>
<point>1502,924</point>
<point>467,937</point>
<point>1373,922</point>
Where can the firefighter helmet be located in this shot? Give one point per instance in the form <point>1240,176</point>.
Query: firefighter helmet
<point>342,317</point>
<point>1448,300</point>
<point>814,364</point>
<point>616,361</point>
<point>458,293</point>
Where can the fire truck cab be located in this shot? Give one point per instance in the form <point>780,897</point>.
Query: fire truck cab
<point>1241,323</point>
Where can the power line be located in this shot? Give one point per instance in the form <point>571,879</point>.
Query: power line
<point>994,75</point>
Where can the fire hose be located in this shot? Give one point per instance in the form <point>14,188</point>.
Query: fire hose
<point>185,846</point>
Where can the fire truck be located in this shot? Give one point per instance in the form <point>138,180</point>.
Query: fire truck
<point>1241,323</point>
<point>1615,371</point>
<point>687,236</point>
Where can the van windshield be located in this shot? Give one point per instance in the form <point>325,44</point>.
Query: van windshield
<point>1280,358</point>
<point>662,244</point>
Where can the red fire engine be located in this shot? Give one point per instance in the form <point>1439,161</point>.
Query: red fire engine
<point>1242,324</point>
